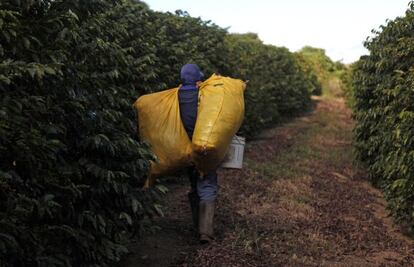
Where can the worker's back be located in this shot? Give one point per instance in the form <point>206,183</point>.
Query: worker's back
<point>188,98</point>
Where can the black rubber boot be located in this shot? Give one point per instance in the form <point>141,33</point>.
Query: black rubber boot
<point>193,197</point>
<point>195,206</point>
<point>205,228</point>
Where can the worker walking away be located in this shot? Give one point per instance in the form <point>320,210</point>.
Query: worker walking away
<point>203,193</point>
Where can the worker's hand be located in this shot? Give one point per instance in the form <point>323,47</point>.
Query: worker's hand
<point>245,84</point>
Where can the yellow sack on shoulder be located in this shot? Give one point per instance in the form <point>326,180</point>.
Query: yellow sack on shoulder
<point>220,115</point>
<point>160,125</point>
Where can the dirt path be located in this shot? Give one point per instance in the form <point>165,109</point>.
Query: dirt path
<point>298,201</point>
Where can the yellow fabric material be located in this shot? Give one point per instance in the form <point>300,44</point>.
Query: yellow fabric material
<point>220,115</point>
<point>160,125</point>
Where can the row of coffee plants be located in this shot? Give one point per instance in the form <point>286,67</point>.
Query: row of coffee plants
<point>384,112</point>
<point>71,164</point>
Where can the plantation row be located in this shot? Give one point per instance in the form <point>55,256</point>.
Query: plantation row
<point>71,166</point>
<point>383,99</point>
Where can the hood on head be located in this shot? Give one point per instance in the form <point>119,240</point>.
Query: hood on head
<point>191,74</point>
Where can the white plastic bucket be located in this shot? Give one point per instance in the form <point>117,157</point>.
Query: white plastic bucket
<point>234,156</point>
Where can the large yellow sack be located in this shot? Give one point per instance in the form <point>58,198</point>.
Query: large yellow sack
<point>160,125</point>
<point>220,115</point>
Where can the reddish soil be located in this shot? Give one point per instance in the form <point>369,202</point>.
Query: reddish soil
<point>298,201</point>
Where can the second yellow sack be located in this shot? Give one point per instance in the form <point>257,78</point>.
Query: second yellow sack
<point>220,115</point>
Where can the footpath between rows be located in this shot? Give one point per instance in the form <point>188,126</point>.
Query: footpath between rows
<point>298,201</point>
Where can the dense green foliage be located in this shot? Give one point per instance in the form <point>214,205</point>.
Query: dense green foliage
<point>315,62</point>
<point>277,85</point>
<point>313,84</point>
<point>346,74</point>
<point>71,165</point>
<point>384,112</point>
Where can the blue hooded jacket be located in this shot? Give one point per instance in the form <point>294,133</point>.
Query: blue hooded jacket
<point>188,96</point>
<point>207,187</point>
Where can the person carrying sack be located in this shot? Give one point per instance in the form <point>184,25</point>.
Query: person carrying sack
<point>203,192</point>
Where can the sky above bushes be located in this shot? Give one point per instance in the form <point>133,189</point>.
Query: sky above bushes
<point>338,26</point>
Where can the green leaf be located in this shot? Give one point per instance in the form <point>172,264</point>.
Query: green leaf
<point>125,216</point>
<point>6,36</point>
<point>4,79</point>
<point>26,43</point>
<point>72,14</point>
<point>399,183</point>
<point>50,70</point>
<point>48,197</point>
<point>158,209</point>
<point>136,205</point>
<point>162,188</point>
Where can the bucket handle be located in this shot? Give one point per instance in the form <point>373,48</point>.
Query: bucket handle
<point>239,139</point>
